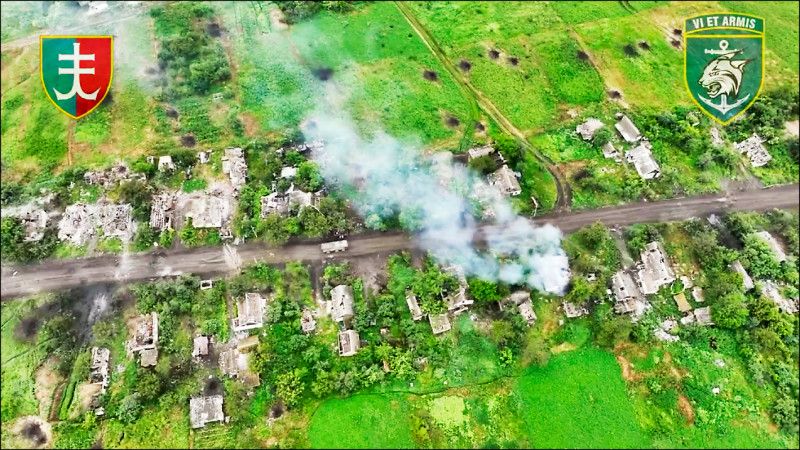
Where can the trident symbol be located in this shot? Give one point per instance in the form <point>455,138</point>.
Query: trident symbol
<point>76,71</point>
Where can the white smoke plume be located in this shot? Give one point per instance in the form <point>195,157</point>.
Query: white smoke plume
<point>438,198</point>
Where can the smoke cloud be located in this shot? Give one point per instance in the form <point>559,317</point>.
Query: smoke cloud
<point>438,199</point>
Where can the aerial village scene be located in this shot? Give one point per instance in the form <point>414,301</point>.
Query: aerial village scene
<point>356,224</point>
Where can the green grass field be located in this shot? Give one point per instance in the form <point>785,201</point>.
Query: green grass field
<point>377,68</point>
<point>579,400</point>
<point>362,421</point>
<point>20,359</point>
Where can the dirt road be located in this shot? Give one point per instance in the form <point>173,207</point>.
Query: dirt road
<point>64,274</point>
<point>563,192</point>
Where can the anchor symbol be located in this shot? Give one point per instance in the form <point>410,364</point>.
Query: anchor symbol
<point>723,107</point>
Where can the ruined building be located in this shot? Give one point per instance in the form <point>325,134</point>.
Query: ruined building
<point>144,339</point>
<point>235,166</point>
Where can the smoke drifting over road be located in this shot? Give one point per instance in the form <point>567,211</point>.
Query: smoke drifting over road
<point>438,199</point>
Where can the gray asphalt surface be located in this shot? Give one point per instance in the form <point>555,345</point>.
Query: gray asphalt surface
<point>64,274</point>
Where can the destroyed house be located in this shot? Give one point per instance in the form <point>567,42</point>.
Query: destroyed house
<point>341,303</point>
<point>477,152</point>
<point>77,223</point>
<point>98,371</point>
<point>144,339</point>
<point>250,312</point>
<point>165,163</point>
<point>655,270</point>
<point>413,306</point>
<point>111,176</point>
<point>349,343</point>
<point>642,159</point>
<point>522,301</point>
<point>754,148</point>
<point>200,346</point>
<point>203,410</point>
<point>627,297</point>
<point>162,210</point>
<point>703,316</point>
<point>439,323</point>
<point>274,203</point>
<point>301,199</point>
<point>572,310</point>
<point>144,333</point>
<point>505,180</point>
<point>457,301</point>
<point>627,130</point>
<point>207,211</point>
<point>234,164</point>
<point>288,172</point>
<point>587,129</point>
<point>117,220</point>
<point>747,282</point>
<point>307,321</point>
<point>773,244</point>
<point>609,151</point>
<point>34,221</point>
<point>771,291</point>
<point>526,311</point>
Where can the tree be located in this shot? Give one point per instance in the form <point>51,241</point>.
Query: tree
<point>509,148</point>
<point>785,412</point>
<point>313,223</point>
<point>308,177</point>
<point>759,259</point>
<point>129,408</point>
<point>484,291</point>
<point>730,311</point>
<point>289,387</point>
<point>602,137</point>
<point>484,164</point>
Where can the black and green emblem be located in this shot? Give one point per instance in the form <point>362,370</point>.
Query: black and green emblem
<point>724,62</point>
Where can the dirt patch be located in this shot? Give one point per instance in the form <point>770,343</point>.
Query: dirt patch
<point>563,347</point>
<point>27,328</point>
<point>85,394</point>
<point>430,75</point>
<point>188,140</point>
<point>214,30</point>
<point>34,431</point>
<point>452,121</point>
<point>277,19</point>
<point>371,270</point>
<point>464,65</point>
<point>323,73</point>
<point>277,410</point>
<point>628,374</point>
<point>47,379</point>
<point>674,371</point>
<point>213,387</point>
<point>686,409</point>
<point>494,54</point>
<point>251,126</point>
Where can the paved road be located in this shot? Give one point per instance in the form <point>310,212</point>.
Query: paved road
<point>64,274</point>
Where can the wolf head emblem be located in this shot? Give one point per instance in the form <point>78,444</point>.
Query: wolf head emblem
<point>723,75</point>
